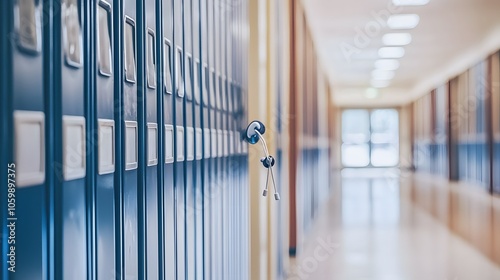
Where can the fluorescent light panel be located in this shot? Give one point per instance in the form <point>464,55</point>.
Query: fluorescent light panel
<point>410,2</point>
<point>391,52</point>
<point>371,93</point>
<point>406,21</point>
<point>387,64</point>
<point>396,39</point>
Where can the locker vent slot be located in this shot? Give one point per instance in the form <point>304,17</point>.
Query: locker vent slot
<point>72,33</point>
<point>196,81</point>
<point>179,73</point>
<point>189,69</point>
<point>151,56</point>
<point>104,40</point>
<point>206,84</point>
<point>167,67</point>
<point>129,45</point>
<point>213,88</point>
<point>27,24</point>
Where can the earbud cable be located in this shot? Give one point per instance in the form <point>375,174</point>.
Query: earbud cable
<point>268,157</point>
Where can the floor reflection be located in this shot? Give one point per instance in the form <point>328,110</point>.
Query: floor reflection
<point>371,229</point>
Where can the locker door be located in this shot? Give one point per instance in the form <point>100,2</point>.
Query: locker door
<point>206,124</point>
<point>229,140</point>
<point>152,85</point>
<point>227,205</point>
<point>212,167</point>
<point>197,207</point>
<point>72,137</point>
<point>130,137</point>
<point>28,126</point>
<point>179,139</point>
<point>232,151</point>
<point>189,141</point>
<point>244,104</point>
<point>223,8</point>
<point>107,152</point>
<point>168,141</point>
<point>217,136</point>
<point>106,159</point>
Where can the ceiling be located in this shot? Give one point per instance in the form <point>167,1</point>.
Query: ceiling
<point>451,36</point>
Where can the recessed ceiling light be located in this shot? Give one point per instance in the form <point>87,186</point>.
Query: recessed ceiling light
<point>391,52</point>
<point>371,93</point>
<point>396,39</point>
<point>387,64</point>
<point>410,2</point>
<point>380,84</point>
<point>407,21</point>
<point>382,74</point>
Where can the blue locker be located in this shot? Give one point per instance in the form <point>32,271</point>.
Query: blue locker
<point>189,140</point>
<point>242,122</point>
<point>230,142</point>
<point>129,114</point>
<point>214,153</point>
<point>152,83</point>
<point>69,165</point>
<point>179,138</point>
<point>219,172</point>
<point>233,164</point>
<point>197,207</point>
<point>107,160</point>
<point>206,165</point>
<point>169,227</point>
<point>91,127</point>
<point>225,171</point>
<point>29,124</point>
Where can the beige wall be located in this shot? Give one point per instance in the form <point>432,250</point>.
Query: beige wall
<point>268,22</point>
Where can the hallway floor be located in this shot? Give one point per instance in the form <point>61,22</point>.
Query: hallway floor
<point>371,229</point>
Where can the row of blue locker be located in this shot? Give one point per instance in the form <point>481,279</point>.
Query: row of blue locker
<point>121,139</point>
<point>432,158</point>
<point>473,160</point>
<point>456,127</point>
<point>315,175</point>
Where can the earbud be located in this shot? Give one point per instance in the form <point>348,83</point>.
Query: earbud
<point>253,134</point>
<point>250,135</point>
<point>268,162</point>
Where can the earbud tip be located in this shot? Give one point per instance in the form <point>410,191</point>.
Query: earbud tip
<point>264,193</point>
<point>276,196</point>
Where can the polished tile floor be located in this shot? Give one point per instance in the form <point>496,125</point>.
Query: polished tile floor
<point>370,229</point>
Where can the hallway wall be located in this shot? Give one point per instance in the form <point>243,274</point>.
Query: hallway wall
<point>456,127</point>
<point>289,91</point>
